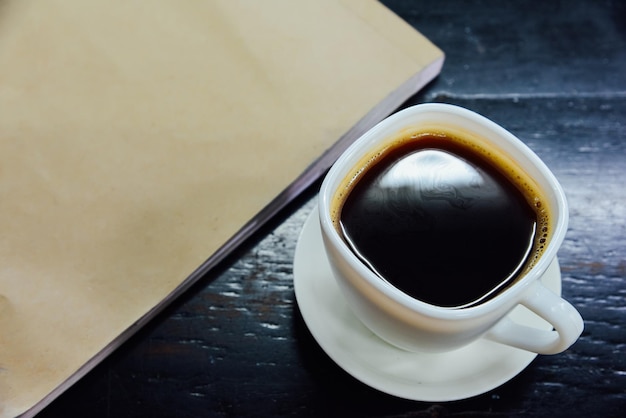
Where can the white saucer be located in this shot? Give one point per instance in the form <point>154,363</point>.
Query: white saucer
<point>469,371</point>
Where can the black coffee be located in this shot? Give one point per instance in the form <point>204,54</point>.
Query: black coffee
<point>441,223</point>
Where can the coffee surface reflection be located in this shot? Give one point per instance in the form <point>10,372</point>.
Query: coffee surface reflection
<point>440,222</point>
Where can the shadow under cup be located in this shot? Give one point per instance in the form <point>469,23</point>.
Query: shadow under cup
<point>398,234</point>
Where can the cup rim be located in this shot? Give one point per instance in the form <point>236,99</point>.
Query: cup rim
<point>397,122</point>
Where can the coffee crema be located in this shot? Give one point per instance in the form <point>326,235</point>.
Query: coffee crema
<point>443,218</point>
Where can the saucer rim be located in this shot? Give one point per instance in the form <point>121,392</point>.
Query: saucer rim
<point>418,390</point>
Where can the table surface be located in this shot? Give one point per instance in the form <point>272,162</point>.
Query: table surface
<point>554,74</point>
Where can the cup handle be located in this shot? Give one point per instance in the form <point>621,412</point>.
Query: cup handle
<point>567,323</point>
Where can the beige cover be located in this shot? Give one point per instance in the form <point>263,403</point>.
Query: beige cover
<point>136,137</point>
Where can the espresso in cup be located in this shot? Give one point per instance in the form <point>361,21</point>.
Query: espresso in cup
<point>437,223</point>
<point>443,216</point>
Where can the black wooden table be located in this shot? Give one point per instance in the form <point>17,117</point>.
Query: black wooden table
<point>551,72</point>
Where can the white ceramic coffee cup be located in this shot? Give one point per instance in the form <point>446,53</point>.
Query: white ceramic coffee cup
<point>414,325</point>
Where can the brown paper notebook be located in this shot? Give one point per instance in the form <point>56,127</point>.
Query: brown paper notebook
<point>139,138</point>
